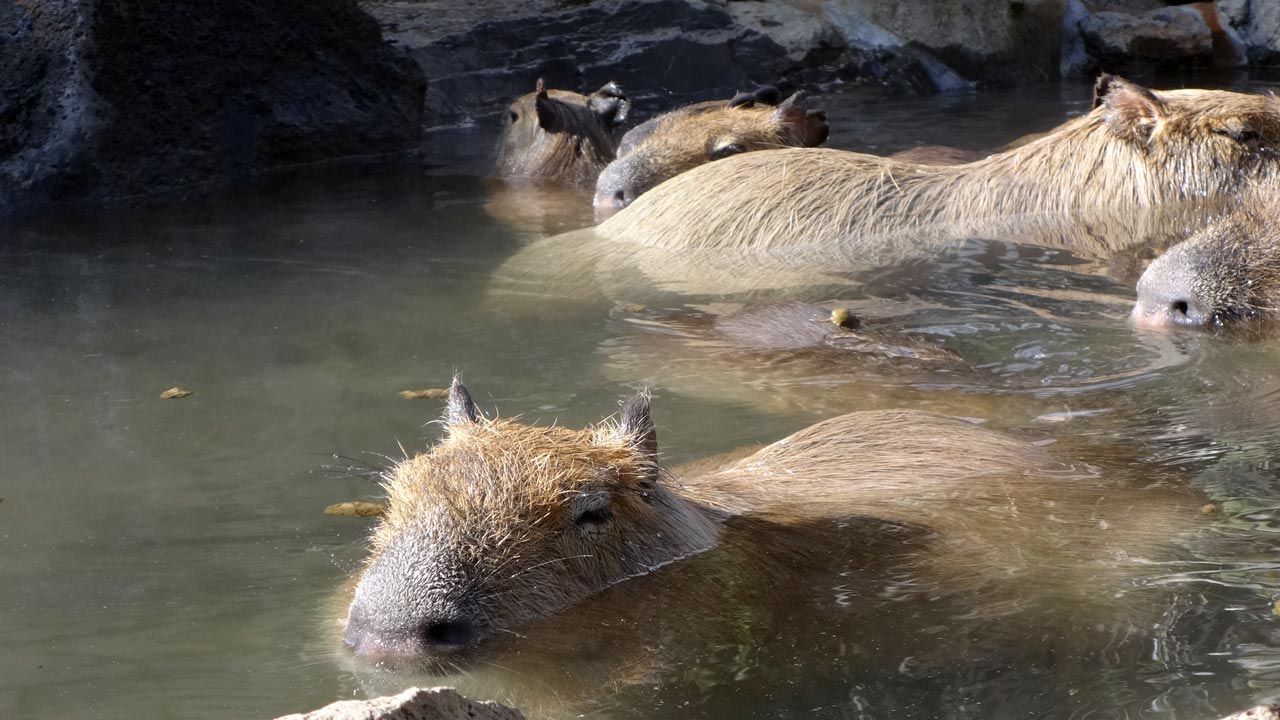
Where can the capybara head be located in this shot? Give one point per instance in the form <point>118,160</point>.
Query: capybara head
<point>561,136</point>
<point>502,522</point>
<point>1205,130</point>
<point>673,142</point>
<point>1225,277</point>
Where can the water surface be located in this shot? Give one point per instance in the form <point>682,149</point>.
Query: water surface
<point>170,557</point>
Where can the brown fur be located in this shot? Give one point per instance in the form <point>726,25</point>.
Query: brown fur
<point>1136,150</point>
<point>674,142</point>
<point>559,136</point>
<point>1226,277</point>
<point>937,155</point>
<point>503,522</point>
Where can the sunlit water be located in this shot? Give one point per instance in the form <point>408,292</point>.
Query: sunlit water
<point>169,558</point>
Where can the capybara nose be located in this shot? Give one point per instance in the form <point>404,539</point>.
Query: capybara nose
<point>1161,312</point>
<point>607,199</point>
<point>449,634</point>
<point>431,637</point>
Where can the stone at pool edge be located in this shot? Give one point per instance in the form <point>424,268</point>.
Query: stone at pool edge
<point>102,101</point>
<point>439,703</point>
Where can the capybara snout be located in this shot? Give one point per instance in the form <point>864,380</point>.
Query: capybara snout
<point>1225,277</point>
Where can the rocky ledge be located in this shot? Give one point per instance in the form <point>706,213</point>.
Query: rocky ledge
<point>102,100</point>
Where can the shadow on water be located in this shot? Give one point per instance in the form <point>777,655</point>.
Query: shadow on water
<point>169,557</point>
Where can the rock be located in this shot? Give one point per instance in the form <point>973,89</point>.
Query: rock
<point>1258,24</point>
<point>412,704</point>
<point>1179,37</point>
<point>103,100</point>
<point>1261,712</point>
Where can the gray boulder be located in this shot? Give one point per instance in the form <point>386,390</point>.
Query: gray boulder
<point>103,100</point>
<point>1182,37</point>
<point>412,704</point>
<point>1258,23</point>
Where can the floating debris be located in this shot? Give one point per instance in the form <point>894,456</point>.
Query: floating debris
<point>425,394</point>
<point>1209,509</point>
<point>637,308</point>
<point>356,508</point>
<point>174,393</point>
<point>845,319</point>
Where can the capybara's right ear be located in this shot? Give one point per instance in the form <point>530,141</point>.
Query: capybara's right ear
<point>461,409</point>
<point>611,104</point>
<point>1132,111</point>
<point>636,423</point>
<point>808,127</point>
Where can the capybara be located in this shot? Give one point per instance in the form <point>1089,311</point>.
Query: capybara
<point>676,141</point>
<point>1137,149</point>
<point>1225,277</point>
<point>559,136</point>
<point>503,523</point>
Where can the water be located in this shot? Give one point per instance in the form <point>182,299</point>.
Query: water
<point>170,557</point>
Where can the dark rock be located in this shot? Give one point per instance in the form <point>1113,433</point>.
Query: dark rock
<point>102,100</point>
<point>1181,38</point>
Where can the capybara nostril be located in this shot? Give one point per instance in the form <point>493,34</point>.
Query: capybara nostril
<point>450,634</point>
<point>620,197</point>
<point>1179,307</point>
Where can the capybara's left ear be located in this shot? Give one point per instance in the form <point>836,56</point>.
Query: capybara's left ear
<point>611,104</point>
<point>461,410</point>
<point>548,118</point>
<point>1132,111</point>
<point>808,127</point>
<point>636,423</point>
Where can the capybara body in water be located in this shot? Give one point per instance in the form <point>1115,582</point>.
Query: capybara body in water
<point>1136,150</point>
<point>671,143</point>
<point>1225,277</point>
<point>503,523</point>
<point>561,137</point>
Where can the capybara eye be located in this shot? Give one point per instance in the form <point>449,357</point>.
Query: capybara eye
<point>514,116</point>
<point>724,151</point>
<point>594,518</point>
<point>1239,134</point>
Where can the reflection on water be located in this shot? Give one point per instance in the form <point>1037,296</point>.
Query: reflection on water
<point>170,558</point>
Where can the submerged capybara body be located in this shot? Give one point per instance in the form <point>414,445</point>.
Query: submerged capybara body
<point>503,524</point>
<point>1136,150</point>
<point>671,143</point>
<point>561,137</point>
<point>1225,277</point>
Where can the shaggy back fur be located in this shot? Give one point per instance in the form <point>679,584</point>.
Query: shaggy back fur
<point>1136,150</point>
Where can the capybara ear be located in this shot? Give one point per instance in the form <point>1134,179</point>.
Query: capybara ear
<point>765,95</point>
<point>808,127</point>
<point>1132,111</point>
<point>611,104</point>
<point>636,423</point>
<point>461,409</point>
<point>548,118</point>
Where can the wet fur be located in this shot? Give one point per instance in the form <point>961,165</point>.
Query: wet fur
<point>1131,152</point>
<point>579,142</point>
<point>483,524</point>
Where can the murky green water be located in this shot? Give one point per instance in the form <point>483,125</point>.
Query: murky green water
<point>169,558</point>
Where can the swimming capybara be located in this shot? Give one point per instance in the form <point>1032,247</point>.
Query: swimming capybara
<point>559,136</point>
<point>503,523</point>
<point>676,141</point>
<point>1225,277</point>
<point>1136,150</point>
